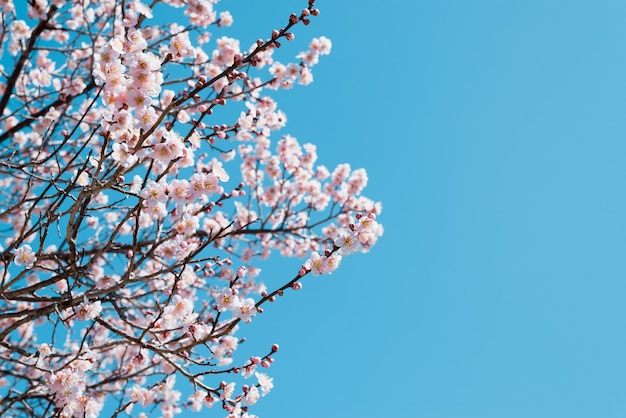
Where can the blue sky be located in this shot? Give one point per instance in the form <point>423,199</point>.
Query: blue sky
<point>493,132</point>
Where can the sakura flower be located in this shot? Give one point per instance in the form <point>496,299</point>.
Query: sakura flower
<point>348,242</point>
<point>252,396</point>
<point>317,264</point>
<point>321,45</point>
<point>168,150</point>
<point>226,300</point>
<point>154,193</point>
<point>44,350</point>
<point>226,19</point>
<point>197,399</point>
<point>227,392</point>
<point>179,308</point>
<point>82,179</point>
<point>146,116</point>
<point>142,395</point>
<point>106,281</point>
<point>180,45</point>
<point>87,311</point>
<point>136,184</point>
<point>332,263</point>
<point>183,116</point>
<point>7,6</point>
<point>123,155</point>
<point>143,9</point>
<point>218,171</point>
<point>205,184</point>
<point>265,382</point>
<point>179,190</point>
<point>245,310</point>
<point>138,98</point>
<point>24,256</point>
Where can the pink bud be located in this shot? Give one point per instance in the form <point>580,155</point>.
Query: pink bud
<point>274,348</point>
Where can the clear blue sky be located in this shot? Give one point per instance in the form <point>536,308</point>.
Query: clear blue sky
<point>494,133</point>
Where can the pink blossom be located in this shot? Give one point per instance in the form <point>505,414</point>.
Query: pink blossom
<point>226,300</point>
<point>205,184</point>
<point>171,148</point>
<point>142,395</point>
<point>317,264</point>
<point>265,382</point>
<point>245,310</point>
<point>226,19</point>
<point>321,45</point>
<point>123,155</point>
<point>227,391</point>
<point>180,45</point>
<point>252,396</point>
<point>332,262</point>
<point>348,242</point>
<point>117,147</point>
<point>154,193</point>
<point>87,311</point>
<point>197,400</point>
<point>179,190</point>
<point>24,256</point>
<point>179,308</point>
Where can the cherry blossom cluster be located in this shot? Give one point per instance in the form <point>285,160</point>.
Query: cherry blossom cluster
<point>133,223</point>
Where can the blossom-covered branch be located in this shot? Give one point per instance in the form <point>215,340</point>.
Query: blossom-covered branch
<point>133,223</point>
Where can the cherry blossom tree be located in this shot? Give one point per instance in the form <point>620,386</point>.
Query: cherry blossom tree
<point>133,224</point>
